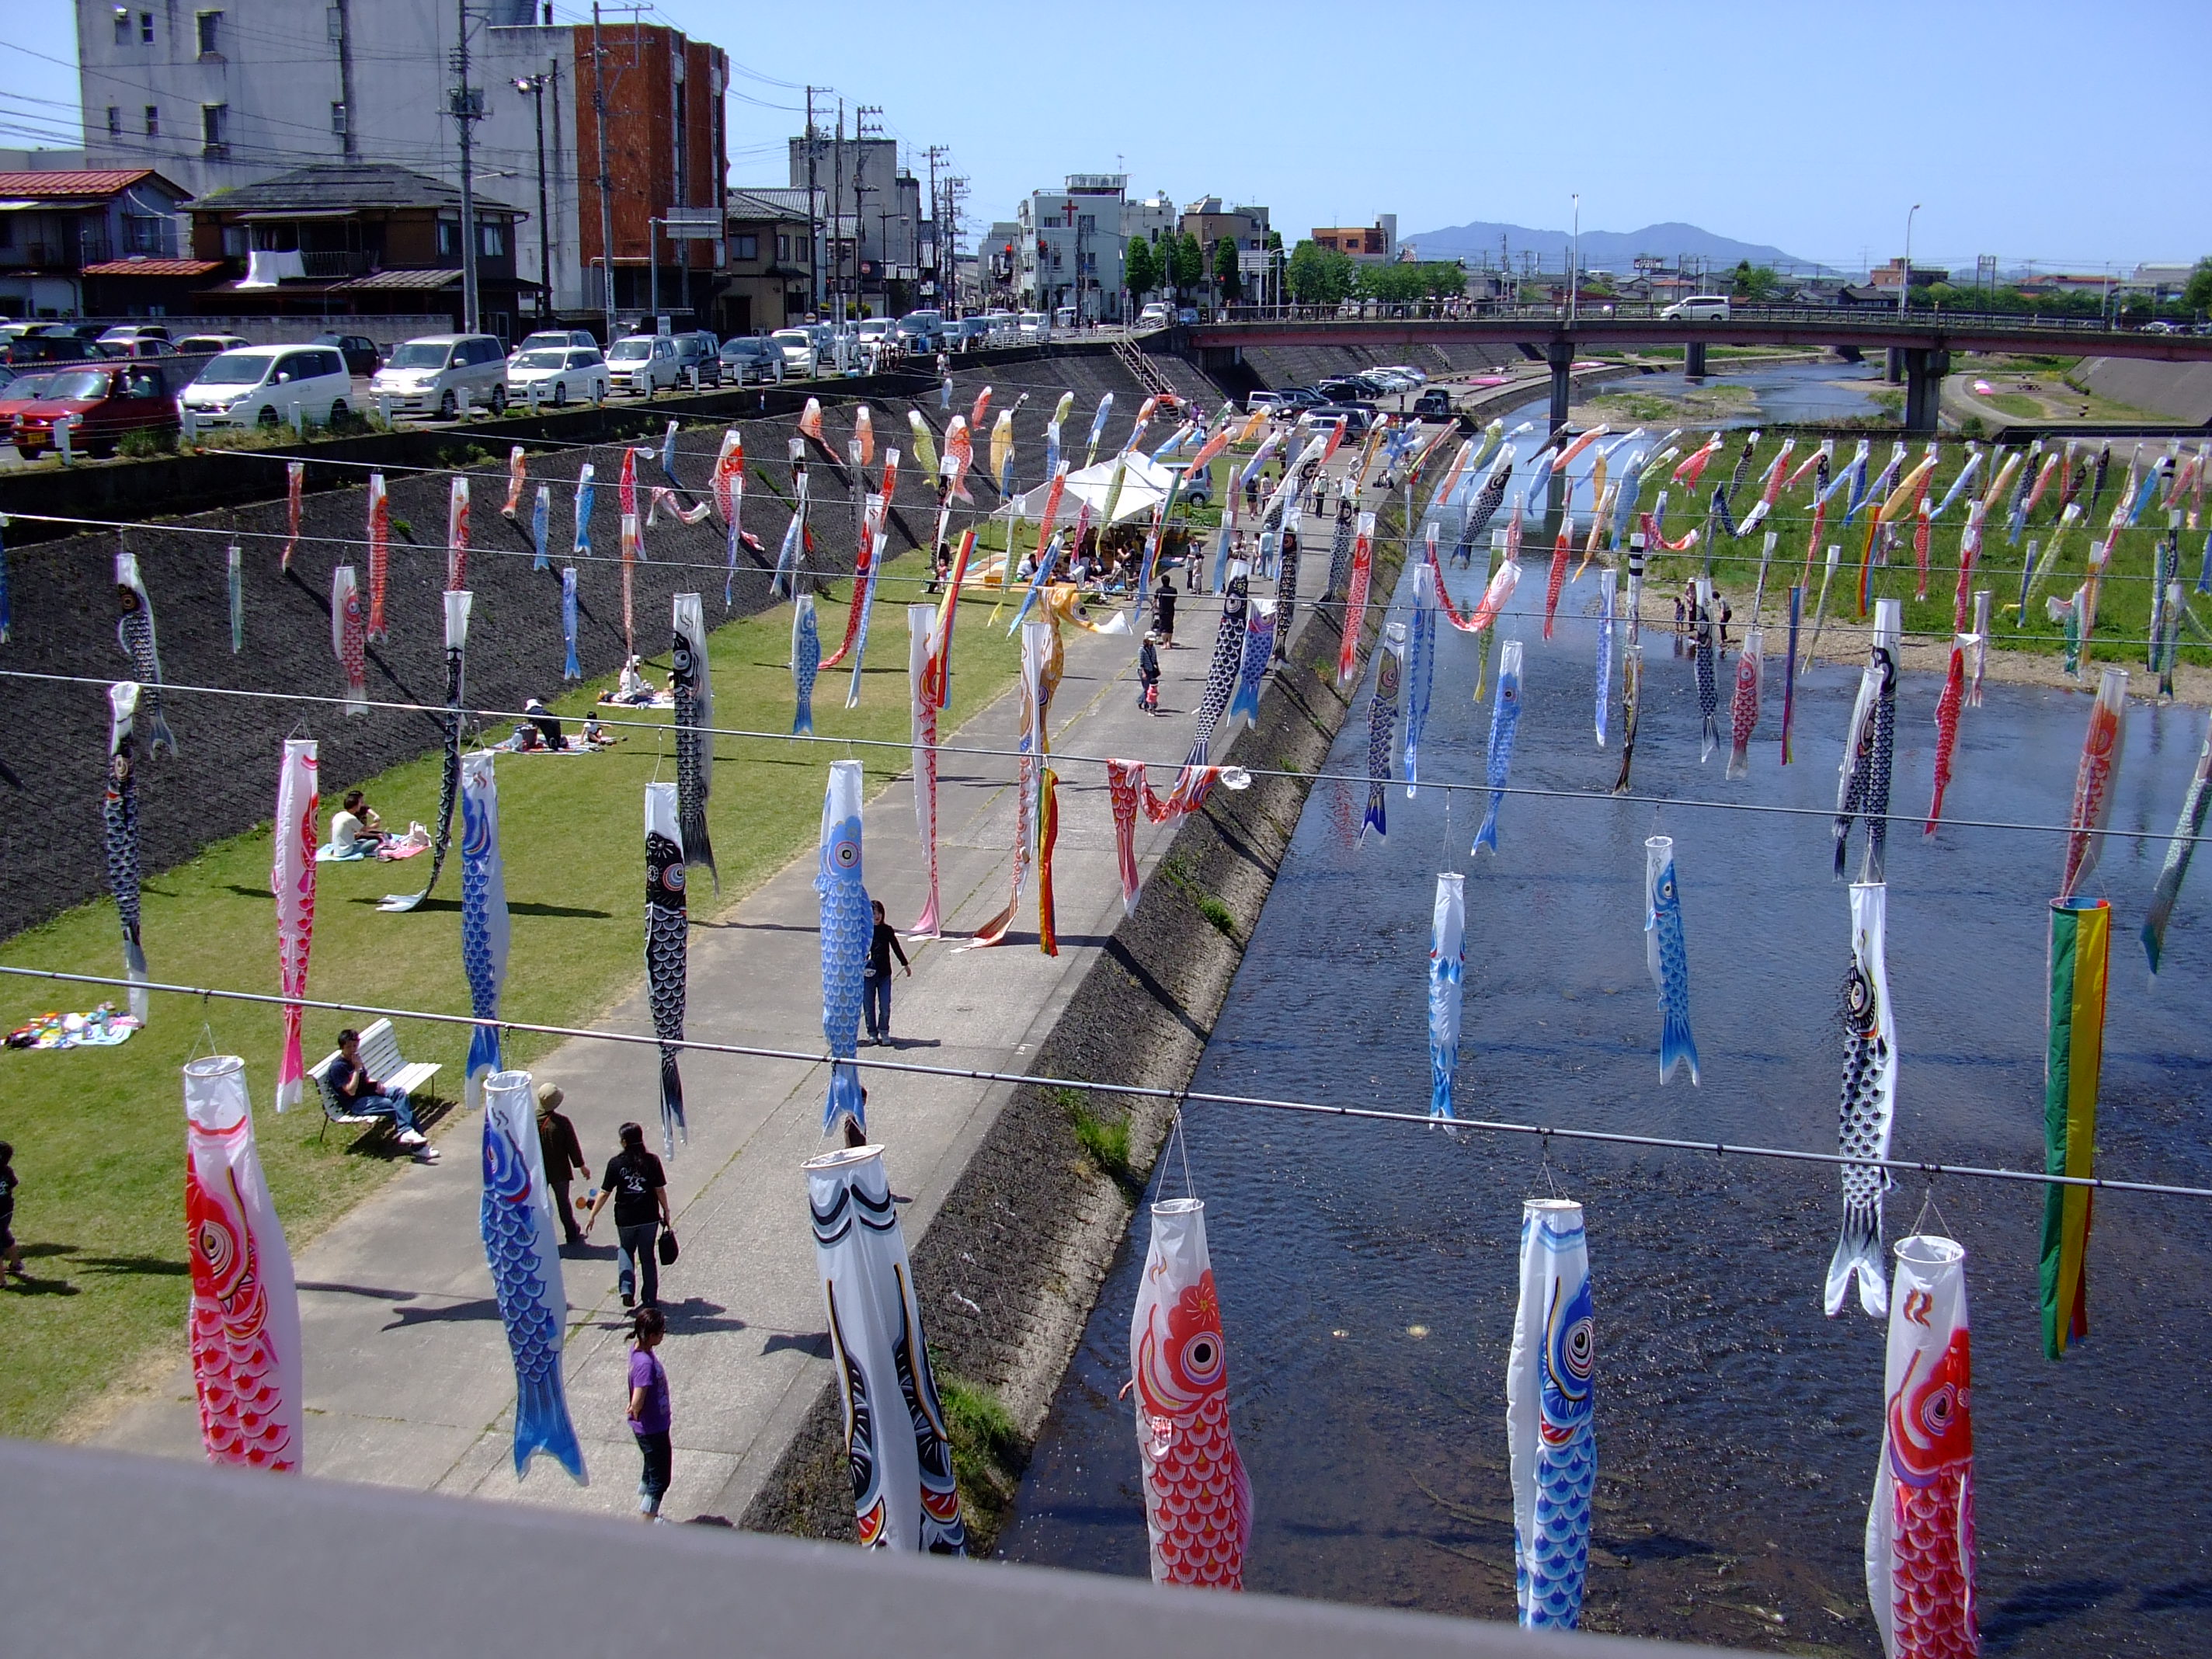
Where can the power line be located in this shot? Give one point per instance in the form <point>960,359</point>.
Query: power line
<point>907,745</point>
<point>1179,1098</point>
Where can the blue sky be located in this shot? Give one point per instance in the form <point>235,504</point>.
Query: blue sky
<point>2066,134</point>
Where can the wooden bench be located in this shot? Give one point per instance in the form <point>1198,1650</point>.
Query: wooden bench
<point>380,1058</point>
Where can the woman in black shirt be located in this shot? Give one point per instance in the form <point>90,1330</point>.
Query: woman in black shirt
<point>639,1188</point>
<point>877,982</point>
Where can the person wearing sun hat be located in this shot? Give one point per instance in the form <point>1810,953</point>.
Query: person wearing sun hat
<point>563,1154</point>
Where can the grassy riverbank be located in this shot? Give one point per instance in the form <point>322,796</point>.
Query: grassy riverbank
<point>99,1132</point>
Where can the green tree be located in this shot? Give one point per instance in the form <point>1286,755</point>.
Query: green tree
<point>2197,296</point>
<point>1186,263</point>
<point>1755,282</point>
<point>1141,267</point>
<point>1225,268</point>
<point>1320,276</point>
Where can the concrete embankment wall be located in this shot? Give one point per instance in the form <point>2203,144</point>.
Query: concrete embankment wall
<point>1281,366</point>
<point>1011,1265</point>
<point>223,781</point>
<point>2181,391</point>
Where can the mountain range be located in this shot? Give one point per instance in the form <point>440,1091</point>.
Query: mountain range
<point>1601,250</point>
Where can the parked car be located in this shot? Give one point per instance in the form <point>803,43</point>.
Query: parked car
<point>84,333</point>
<point>1188,317</point>
<point>1356,417</point>
<point>746,360</point>
<point>798,349</point>
<point>1434,404</point>
<point>128,334</point>
<point>430,375</point>
<point>19,393</point>
<point>696,349</point>
<point>643,364</point>
<point>269,385</point>
<point>1296,397</point>
<point>144,345</point>
<point>1697,308</point>
<point>208,345</point>
<point>1256,401</point>
<point>555,374</point>
<point>50,348</point>
<point>1005,328</point>
<point>967,334</point>
<point>1031,328</point>
<point>1155,315</point>
<point>921,332</point>
<point>1197,490</point>
<point>106,403</point>
<point>362,359</point>
<point>542,339</point>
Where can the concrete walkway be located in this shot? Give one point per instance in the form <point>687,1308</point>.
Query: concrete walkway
<point>408,1377</point>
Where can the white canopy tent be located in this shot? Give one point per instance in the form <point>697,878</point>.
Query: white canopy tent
<point>1144,484</point>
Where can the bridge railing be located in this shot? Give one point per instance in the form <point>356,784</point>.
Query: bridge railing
<point>1883,317</point>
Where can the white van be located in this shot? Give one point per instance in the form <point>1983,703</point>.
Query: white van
<point>1031,328</point>
<point>798,346</point>
<point>643,364</point>
<point>1697,308</point>
<point>268,386</point>
<point>430,375</point>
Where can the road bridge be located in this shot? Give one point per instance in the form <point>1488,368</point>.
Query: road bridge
<point>1923,342</point>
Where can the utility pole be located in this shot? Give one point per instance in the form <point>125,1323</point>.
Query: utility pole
<point>948,236</point>
<point>341,18</point>
<point>813,218</point>
<point>937,220</point>
<point>606,181</point>
<point>837,216</point>
<point>860,114</point>
<point>467,110</point>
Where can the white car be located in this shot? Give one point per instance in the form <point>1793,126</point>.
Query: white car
<point>1003,328</point>
<point>644,364</point>
<point>431,376</point>
<point>268,386</point>
<point>1406,373</point>
<point>553,336</point>
<point>1031,328</point>
<point>1697,308</point>
<point>1154,315</point>
<point>797,345</point>
<point>554,374</point>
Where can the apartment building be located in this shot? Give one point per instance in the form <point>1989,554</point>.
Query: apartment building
<point>226,93</point>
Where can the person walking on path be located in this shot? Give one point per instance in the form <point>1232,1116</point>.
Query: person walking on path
<point>1148,675</point>
<point>1163,608</point>
<point>649,1414</point>
<point>563,1154</point>
<point>12,1253</point>
<point>876,981</point>
<point>639,1187</point>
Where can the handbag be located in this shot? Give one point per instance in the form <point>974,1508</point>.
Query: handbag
<point>666,1248</point>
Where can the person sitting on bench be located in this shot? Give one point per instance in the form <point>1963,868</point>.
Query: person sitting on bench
<point>364,1097</point>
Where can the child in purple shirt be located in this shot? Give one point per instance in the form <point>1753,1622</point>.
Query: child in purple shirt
<point>649,1414</point>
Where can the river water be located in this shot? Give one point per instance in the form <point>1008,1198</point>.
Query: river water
<point>1367,1271</point>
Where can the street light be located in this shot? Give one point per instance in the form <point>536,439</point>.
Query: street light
<point>1575,260</point>
<point>1904,286</point>
<point>533,86</point>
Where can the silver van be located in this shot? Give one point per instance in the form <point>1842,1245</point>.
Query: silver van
<point>433,375</point>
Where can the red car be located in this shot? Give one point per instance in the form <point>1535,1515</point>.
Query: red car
<point>135,396</point>
<point>16,396</point>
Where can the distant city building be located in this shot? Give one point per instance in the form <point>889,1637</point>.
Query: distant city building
<point>876,226</point>
<point>1153,218</point>
<point>1375,244</point>
<point>1211,222</point>
<point>773,244</point>
<point>216,98</point>
<point>1071,247</point>
<point>1888,276</point>
<point>999,262</point>
<point>361,239</point>
<point>2164,281</point>
<point>64,233</point>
